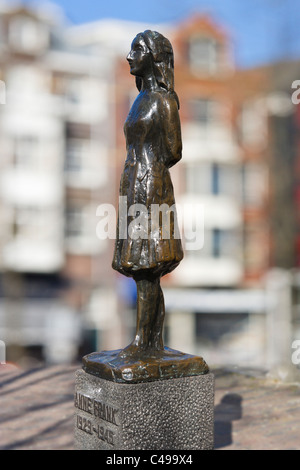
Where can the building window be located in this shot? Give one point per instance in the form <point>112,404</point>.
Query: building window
<point>198,178</point>
<point>204,111</point>
<point>27,221</point>
<point>76,154</point>
<point>27,35</point>
<point>78,90</point>
<point>216,242</point>
<point>74,222</point>
<point>77,221</point>
<point>26,152</point>
<point>219,243</point>
<point>228,243</point>
<point>217,179</point>
<point>203,55</point>
<point>227,180</point>
<point>253,124</point>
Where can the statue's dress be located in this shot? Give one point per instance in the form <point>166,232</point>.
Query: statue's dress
<point>153,139</point>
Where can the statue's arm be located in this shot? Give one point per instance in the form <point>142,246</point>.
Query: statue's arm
<point>172,132</point>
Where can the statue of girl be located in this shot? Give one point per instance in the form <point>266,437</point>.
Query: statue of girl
<point>153,142</point>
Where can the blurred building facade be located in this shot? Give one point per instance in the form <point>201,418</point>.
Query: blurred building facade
<point>227,314</point>
<point>68,92</point>
<point>56,167</point>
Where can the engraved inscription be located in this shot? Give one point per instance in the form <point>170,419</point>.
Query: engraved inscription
<point>84,424</point>
<point>104,434</point>
<point>84,403</point>
<point>96,408</point>
<point>108,413</point>
<point>101,432</point>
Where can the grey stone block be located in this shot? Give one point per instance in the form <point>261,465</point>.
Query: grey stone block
<point>169,414</point>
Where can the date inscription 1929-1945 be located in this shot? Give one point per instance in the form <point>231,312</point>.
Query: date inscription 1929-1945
<point>96,409</point>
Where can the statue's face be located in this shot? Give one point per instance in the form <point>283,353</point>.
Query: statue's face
<point>139,57</point>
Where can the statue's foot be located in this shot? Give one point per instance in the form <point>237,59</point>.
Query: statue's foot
<point>138,349</point>
<point>132,350</point>
<point>156,344</point>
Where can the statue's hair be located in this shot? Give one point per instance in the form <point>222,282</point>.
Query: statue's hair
<point>163,61</point>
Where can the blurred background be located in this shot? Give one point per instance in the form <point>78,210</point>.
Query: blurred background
<point>65,94</point>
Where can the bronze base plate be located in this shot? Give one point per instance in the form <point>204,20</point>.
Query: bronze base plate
<point>145,367</point>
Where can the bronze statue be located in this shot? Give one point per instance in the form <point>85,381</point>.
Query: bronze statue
<point>150,250</point>
<point>153,137</point>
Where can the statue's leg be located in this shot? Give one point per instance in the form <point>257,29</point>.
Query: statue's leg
<point>148,301</point>
<point>150,315</point>
<point>158,323</point>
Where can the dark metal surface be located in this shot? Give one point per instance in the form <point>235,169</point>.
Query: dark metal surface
<point>146,367</point>
<point>153,141</point>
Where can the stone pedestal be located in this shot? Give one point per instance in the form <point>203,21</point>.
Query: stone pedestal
<point>172,414</point>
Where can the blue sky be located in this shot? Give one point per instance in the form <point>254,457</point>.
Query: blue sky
<point>262,30</point>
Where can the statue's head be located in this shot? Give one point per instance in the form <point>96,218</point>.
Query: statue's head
<point>151,48</point>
